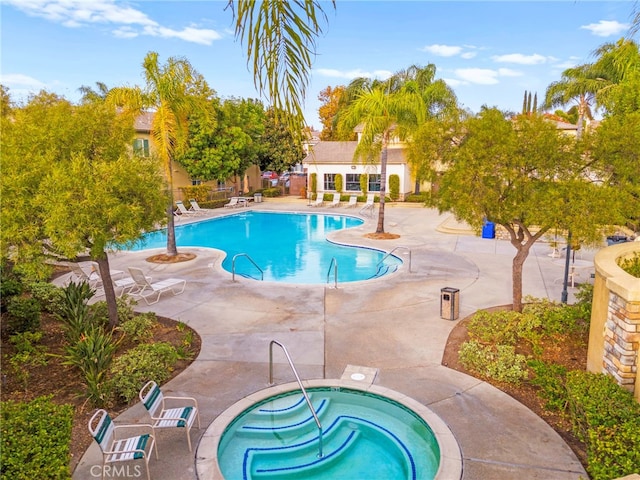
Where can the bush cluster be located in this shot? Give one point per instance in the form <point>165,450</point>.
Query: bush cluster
<point>35,440</point>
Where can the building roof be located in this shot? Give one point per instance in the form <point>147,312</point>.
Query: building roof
<point>342,153</point>
<point>143,122</point>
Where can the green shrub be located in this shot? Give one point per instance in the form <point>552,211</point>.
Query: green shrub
<point>631,265</point>
<point>500,327</point>
<point>28,354</point>
<point>24,315</point>
<point>50,296</point>
<point>76,314</point>
<point>364,184</point>
<point>607,418</point>
<point>422,197</point>
<point>557,317</point>
<point>100,311</point>
<point>140,327</point>
<point>339,185</point>
<point>271,192</point>
<point>130,371</point>
<point>394,187</point>
<point>35,440</point>
<point>550,379</point>
<point>314,183</point>
<point>92,354</point>
<point>499,362</point>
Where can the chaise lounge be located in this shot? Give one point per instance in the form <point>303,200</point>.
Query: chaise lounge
<point>152,290</point>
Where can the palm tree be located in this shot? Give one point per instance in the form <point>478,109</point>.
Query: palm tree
<point>91,95</point>
<point>383,115</point>
<point>169,93</point>
<point>280,37</point>
<point>578,84</point>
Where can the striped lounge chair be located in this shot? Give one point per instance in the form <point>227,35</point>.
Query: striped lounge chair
<point>113,449</point>
<point>182,413</point>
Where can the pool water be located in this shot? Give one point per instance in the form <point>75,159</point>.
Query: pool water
<point>365,436</point>
<point>287,247</point>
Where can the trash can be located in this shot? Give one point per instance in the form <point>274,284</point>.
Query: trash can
<point>449,299</point>
<point>257,197</point>
<point>488,229</point>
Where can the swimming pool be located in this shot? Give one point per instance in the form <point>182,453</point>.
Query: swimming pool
<point>287,247</point>
<point>371,432</point>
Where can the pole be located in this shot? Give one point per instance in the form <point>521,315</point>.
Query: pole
<point>565,293</point>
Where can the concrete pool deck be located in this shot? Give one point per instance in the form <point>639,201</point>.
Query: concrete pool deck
<point>391,324</point>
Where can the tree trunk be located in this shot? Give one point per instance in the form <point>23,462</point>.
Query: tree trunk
<point>109,291</point>
<point>383,187</point>
<point>172,250</point>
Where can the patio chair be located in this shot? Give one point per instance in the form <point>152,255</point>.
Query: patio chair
<point>353,201</point>
<point>336,200</point>
<point>114,450</point>
<point>319,201</point>
<point>234,202</point>
<point>195,208</point>
<point>148,289</point>
<point>369,204</point>
<point>182,210</point>
<point>182,413</point>
<point>90,273</point>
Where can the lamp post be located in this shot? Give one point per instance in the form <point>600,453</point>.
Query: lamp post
<point>565,293</point>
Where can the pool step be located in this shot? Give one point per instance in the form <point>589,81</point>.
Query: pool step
<point>292,420</point>
<point>299,460</point>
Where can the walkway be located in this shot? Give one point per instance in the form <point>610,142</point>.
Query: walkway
<point>392,324</point>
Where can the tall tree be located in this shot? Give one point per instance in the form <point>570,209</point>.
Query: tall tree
<point>525,176</point>
<point>330,98</point>
<point>278,150</point>
<point>79,193</point>
<point>578,85</point>
<point>171,91</point>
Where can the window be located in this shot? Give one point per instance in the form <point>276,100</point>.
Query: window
<point>196,182</point>
<point>374,182</point>
<point>329,181</point>
<point>352,182</point>
<point>141,147</point>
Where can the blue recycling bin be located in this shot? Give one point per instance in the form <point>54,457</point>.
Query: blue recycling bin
<point>488,229</point>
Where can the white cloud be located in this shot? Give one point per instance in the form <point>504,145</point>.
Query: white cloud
<point>442,50</point>
<point>507,72</point>
<point>80,13</point>
<point>606,28</point>
<point>18,80</point>
<point>520,59</point>
<point>482,76</point>
<point>351,74</point>
<point>468,55</point>
<point>454,82</point>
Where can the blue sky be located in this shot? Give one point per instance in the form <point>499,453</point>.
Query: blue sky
<point>488,52</point>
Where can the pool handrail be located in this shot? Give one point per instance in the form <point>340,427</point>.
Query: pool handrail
<point>393,250</point>
<point>233,266</point>
<point>335,272</point>
<point>304,391</point>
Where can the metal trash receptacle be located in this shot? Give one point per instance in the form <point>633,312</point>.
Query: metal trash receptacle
<point>449,303</point>
<point>257,197</point>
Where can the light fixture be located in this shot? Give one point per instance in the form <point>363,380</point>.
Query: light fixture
<point>353,167</point>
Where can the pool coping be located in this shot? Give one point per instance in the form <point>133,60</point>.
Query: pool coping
<point>207,467</point>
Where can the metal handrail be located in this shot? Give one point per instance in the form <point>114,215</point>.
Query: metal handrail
<point>393,250</point>
<point>233,266</point>
<point>335,272</point>
<point>304,391</point>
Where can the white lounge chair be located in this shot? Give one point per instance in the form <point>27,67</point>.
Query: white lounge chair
<point>181,414</point>
<point>182,210</point>
<point>113,449</point>
<point>147,289</point>
<point>195,208</point>
<point>353,201</point>
<point>319,201</point>
<point>90,273</point>
<point>369,204</point>
<point>336,200</point>
<point>234,202</point>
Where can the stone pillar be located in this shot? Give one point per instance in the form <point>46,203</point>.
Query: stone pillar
<point>614,335</point>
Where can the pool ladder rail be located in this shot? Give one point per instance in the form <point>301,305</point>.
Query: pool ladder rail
<point>304,390</point>
<point>233,266</point>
